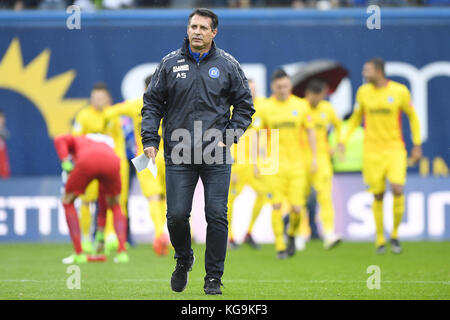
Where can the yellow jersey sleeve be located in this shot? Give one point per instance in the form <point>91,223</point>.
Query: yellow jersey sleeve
<point>77,126</point>
<point>356,118</point>
<point>336,122</point>
<point>408,109</point>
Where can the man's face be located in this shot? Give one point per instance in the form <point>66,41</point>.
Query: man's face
<point>100,99</point>
<point>370,73</point>
<point>315,97</point>
<point>282,88</point>
<point>200,33</point>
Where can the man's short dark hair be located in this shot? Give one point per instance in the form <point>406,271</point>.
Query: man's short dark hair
<point>205,13</point>
<point>100,86</point>
<point>278,74</point>
<point>315,86</point>
<point>147,80</point>
<point>378,63</point>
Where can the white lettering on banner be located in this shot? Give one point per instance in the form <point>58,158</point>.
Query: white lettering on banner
<point>359,207</point>
<point>19,206</point>
<point>44,206</point>
<point>3,217</point>
<point>437,202</point>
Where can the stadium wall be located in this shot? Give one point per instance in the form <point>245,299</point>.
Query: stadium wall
<point>30,211</point>
<point>47,69</point>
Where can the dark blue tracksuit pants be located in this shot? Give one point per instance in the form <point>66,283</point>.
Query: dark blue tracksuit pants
<point>181,181</point>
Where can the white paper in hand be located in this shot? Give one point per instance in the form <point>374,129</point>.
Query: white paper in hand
<point>141,162</point>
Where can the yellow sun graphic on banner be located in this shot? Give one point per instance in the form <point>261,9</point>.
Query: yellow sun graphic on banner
<point>46,94</point>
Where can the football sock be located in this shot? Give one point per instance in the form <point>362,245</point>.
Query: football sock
<point>120,225</point>
<point>377,208</point>
<point>74,226</point>
<point>399,209</point>
<point>278,227</point>
<point>157,213</point>
<point>259,203</point>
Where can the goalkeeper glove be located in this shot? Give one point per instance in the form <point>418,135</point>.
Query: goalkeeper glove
<point>67,165</point>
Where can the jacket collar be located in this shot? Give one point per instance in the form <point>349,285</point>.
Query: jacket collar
<point>185,49</point>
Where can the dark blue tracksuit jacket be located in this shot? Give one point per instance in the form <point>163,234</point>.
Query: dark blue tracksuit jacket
<point>184,90</point>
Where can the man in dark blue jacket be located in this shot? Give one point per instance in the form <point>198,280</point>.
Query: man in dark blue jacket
<point>192,91</point>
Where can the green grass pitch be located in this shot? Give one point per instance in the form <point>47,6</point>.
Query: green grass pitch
<point>422,271</point>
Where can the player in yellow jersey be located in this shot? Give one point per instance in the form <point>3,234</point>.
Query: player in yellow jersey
<point>90,120</point>
<point>323,116</point>
<point>153,189</point>
<point>381,101</point>
<point>287,114</point>
<point>244,172</point>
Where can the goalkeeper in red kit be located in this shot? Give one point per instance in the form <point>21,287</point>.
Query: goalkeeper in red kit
<point>86,158</point>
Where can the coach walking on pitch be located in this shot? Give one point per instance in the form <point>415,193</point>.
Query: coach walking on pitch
<point>192,91</point>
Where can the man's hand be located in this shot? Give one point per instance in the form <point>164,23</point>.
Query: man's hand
<point>341,151</point>
<point>151,153</point>
<point>416,153</point>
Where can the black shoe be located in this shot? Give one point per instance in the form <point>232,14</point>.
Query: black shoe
<point>395,246</point>
<point>212,286</point>
<point>381,249</point>
<point>249,240</point>
<point>232,244</point>
<point>282,255</point>
<point>291,246</point>
<point>179,278</point>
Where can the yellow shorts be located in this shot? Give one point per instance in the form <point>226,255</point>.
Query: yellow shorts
<point>242,175</point>
<point>151,186</point>
<point>288,184</point>
<point>382,165</point>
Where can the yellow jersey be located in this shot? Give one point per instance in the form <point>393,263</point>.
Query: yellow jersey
<point>132,108</point>
<point>246,151</point>
<point>89,120</point>
<point>290,118</point>
<point>323,115</point>
<point>381,109</point>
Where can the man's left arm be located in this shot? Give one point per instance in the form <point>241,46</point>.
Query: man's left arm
<point>241,99</point>
<point>414,124</point>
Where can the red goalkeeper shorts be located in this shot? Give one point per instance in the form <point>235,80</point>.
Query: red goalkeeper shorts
<point>95,164</point>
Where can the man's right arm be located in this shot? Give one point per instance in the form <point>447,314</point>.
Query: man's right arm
<point>153,110</point>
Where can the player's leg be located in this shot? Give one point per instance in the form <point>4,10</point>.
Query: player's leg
<point>154,191</point>
<point>257,184</point>
<point>110,184</point>
<point>397,179</point>
<point>76,184</point>
<point>111,239</point>
<point>322,183</point>
<point>88,200</point>
<point>277,195</point>
<point>374,174</point>
<point>232,195</point>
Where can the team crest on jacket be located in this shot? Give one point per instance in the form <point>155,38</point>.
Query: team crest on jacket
<point>390,99</point>
<point>214,72</point>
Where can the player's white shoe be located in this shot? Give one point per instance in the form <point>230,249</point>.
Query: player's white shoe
<point>331,241</point>
<point>300,243</point>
